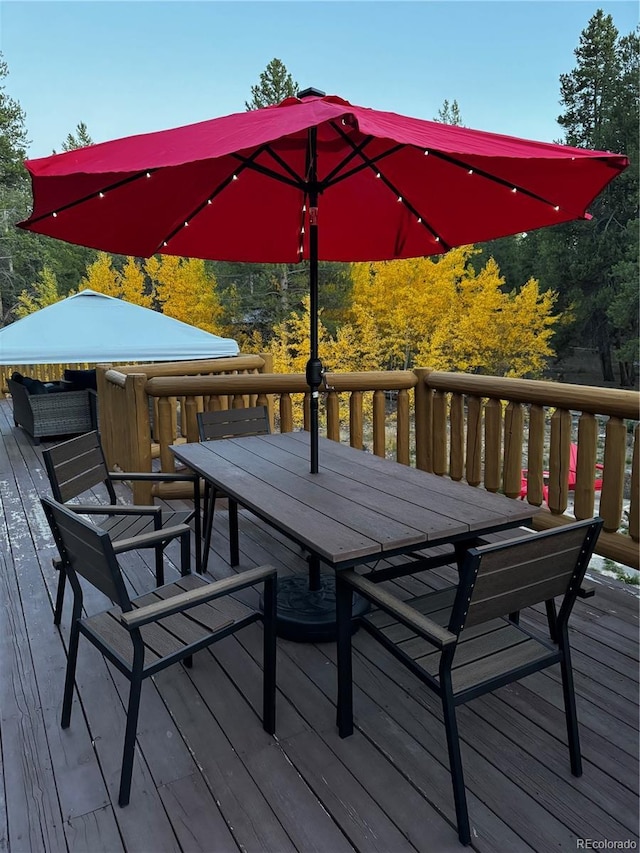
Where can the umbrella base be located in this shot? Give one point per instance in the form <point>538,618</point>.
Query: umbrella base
<point>309,616</point>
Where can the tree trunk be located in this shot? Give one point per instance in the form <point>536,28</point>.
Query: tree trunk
<point>606,363</point>
<point>284,289</point>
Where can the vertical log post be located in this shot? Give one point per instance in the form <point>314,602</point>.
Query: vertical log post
<point>379,423</point>
<point>333,416</point>
<point>535,455</point>
<point>559,457</point>
<point>456,443</point>
<point>473,471</point>
<point>634,509</point>
<point>492,444</point>
<point>513,433</point>
<point>402,427</point>
<point>615,449</point>
<point>584,501</point>
<point>440,433</point>
<point>423,420</point>
<point>355,420</point>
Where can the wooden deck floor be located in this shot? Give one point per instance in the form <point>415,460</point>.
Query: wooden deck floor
<point>207,777</point>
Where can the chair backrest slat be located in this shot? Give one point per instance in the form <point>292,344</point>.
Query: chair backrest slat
<point>500,579</point>
<point>233,423</point>
<point>87,551</point>
<point>75,466</point>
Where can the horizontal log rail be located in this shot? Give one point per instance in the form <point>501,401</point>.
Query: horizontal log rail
<point>485,430</point>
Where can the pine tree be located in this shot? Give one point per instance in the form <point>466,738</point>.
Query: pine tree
<point>601,103</point>
<point>275,85</point>
<point>449,113</point>
<point>80,139</point>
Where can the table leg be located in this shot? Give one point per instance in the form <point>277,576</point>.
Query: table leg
<point>344,711</point>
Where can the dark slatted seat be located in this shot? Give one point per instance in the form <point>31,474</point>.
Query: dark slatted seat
<point>78,465</point>
<point>229,423</point>
<point>466,640</point>
<point>143,636</point>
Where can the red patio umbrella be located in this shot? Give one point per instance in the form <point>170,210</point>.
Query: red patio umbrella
<point>314,177</point>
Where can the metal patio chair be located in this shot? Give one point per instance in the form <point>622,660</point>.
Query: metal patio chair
<point>460,641</point>
<point>212,426</point>
<point>78,465</point>
<point>145,635</point>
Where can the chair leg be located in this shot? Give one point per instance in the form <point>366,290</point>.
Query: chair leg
<point>62,578</point>
<point>70,677</point>
<point>210,507</point>
<point>234,546</point>
<point>455,761</point>
<point>159,565</point>
<point>571,715</point>
<point>269,656</point>
<point>197,526</point>
<point>130,739</point>
<point>344,710</point>
<point>552,619</point>
<point>185,554</point>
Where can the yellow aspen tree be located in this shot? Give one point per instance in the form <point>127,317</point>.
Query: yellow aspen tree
<point>102,277</point>
<point>290,345</point>
<point>44,292</point>
<point>185,291</point>
<point>132,284</point>
<point>527,330</point>
<point>484,330</point>
<point>403,300</point>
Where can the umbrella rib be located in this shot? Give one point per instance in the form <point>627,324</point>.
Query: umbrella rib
<point>284,165</point>
<point>483,174</point>
<point>209,199</point>
<point>372,164</point>
<point>328,180</point>
<point>245,163</point>
<point>454,161</point>
<point>96,194</point>
<point>295,181</point>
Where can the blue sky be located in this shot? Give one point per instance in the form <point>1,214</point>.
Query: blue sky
<point>131,67</point>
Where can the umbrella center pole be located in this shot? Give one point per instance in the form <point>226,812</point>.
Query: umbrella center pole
<point>314,380</point>
<point>314,365</point>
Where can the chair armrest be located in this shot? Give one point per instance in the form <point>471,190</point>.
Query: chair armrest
<point>184,601</point>
<point>153,537</point>
<point>114,509</point>
<point>428,629</point>
<point>157,476</point>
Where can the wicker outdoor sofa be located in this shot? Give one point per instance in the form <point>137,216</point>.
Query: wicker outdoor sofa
<point>49,414</point>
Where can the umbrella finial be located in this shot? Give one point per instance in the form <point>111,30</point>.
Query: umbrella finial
<point>311,93</point>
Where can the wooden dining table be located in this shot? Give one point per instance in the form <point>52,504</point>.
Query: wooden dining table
<point>358,508</point>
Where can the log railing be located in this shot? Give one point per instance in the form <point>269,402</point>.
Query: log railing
<point>130,417</point>
<point>482,429</point>
<point>488,429</point>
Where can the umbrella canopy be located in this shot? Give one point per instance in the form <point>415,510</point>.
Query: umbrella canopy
<point>90,326</point>
<point>314,177</point>
<point>237,188</point>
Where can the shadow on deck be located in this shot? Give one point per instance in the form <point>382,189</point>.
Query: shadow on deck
<point>206,775</point>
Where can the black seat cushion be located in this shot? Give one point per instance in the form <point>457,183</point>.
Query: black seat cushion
<point>34,386</point>
<point>81,379</point>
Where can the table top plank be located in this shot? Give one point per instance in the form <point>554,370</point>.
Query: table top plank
<point>413,483</point>
<point>357,507</point>
<point>332,542</point>
<point>321,493</point>
<point>346,478</point>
